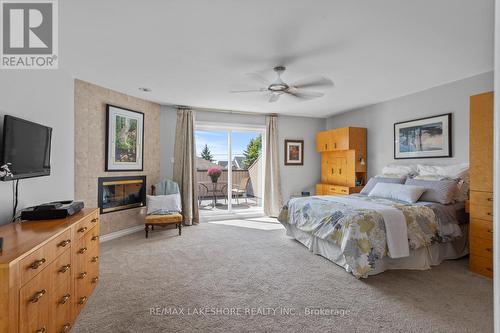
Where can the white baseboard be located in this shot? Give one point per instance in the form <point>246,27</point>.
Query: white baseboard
<point>121,233</point>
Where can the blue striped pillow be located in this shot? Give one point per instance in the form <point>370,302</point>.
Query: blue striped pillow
<point>441,191</point>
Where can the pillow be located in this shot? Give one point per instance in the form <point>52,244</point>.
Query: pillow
<point>375,180</point>
<point>401,170</point>
<point>170,202</point>
<point>454,171</point>
<point>405,193</point>
<point>441,191</point>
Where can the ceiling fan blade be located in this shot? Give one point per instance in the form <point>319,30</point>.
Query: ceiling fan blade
<point>314,81</point>
<point>259,78</point>
<point>305,94</point>
<point>274,98</point>
<point>247,91</point>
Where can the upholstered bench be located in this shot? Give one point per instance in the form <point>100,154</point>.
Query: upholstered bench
<point>163,220</point>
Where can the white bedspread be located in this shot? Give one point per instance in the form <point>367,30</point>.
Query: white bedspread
<point>394,220</point>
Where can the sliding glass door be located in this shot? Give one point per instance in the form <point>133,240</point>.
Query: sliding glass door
<point>230,164</point>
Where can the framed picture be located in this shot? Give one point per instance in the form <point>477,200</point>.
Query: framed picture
<point>423,138</point>
<point>294,152</point>
<point>124,139</point>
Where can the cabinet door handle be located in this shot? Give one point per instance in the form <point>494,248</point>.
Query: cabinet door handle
<point>64,299</point>
<point>490,231</point>
<point>82,275</point>
<point>65,328</point>
<point>340,171</point>
<point>37,296</point>
<point>489,249</point>
<point>82,250</point>
<point>94,220</point>
<point>40,330</point>
<point>94,238</point>
<point>64,243</point>
<point>65,268</point>
<point>326,146</point>
<point>489,199</point>
<point>82,300</point>
<point>94,259</point>
<point>489,213</point>
<point>94,280</point>
<point>82,230</point>
<point>335,145</point>
<point>489,269</point>
<point>37,263</point>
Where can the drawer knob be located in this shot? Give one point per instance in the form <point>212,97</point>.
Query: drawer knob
<point>64,268</point>
<point>37,263</point>
<point>489,269</point>
<point>37,296</point>
<point>65,328</point>
<point>82,300</point>
<point>489,213</point>
<point>64,243</point>
<point>94,280</point>
<point>489,249</point>
<point>82,250</point>
<point>64,299</point>
<point>94,220</point>
<point>490,231</point>
<point>94,259</point>
<point>82,230</point>
<point>94,238</point>
<point>82,275</point>
<point>40,330</point>
<point>490,199</point>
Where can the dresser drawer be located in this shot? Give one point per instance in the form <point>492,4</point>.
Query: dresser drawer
<point>34,302</point>
<point>336,189</point>
<point>84,226</point>
<point>32,264</point>
<point>481,212</point>
<point>481,265</point>
<point>481,198</point>
<point>61,305</point>
<point>481,247</point>
<point>481,229</point>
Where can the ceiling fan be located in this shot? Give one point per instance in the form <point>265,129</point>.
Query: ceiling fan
<point>279,87</point>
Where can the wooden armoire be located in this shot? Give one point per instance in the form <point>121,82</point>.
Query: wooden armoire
<point>481,184</point>
<point>343,160</point>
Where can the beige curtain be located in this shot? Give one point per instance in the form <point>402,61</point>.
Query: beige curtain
<point>272,197</point>
<point>184,165</point>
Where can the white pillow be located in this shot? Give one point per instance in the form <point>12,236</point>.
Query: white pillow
<point>455,171</point>
<point>401,192</point>
<point>170,202</point>
<point>399,170</point>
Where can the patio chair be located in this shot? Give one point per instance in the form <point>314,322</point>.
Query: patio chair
<point>241,189</point>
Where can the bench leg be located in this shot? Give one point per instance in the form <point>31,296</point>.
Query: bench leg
<point>147,229</point>
<point>180,226</point>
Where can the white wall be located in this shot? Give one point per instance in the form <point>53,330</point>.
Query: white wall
<point>44,96</point>
<point>380,118</point>
<point>295,179</point>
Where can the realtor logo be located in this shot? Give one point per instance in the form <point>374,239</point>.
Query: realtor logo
<point>29,34</point>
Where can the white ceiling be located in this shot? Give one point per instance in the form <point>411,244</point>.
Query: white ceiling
<point>194,52</point>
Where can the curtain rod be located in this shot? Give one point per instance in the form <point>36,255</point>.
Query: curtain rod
<point>248,113</point>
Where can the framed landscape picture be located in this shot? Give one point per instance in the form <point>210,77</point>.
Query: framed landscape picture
<point>423,138</point>
<point>294,152</point>
<point>124,139</point>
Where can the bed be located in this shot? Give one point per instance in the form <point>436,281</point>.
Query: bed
<point>363,234</point>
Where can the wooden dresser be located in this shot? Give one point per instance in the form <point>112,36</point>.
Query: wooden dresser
<point>48,270</point>
<point>343,160</point>
<point>481,184</point>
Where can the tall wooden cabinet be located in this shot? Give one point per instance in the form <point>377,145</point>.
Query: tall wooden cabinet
<point>48,270</point>
<point>343,160</point>
<point>481,184</point>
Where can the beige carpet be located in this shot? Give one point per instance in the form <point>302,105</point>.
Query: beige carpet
<point>252,271</point>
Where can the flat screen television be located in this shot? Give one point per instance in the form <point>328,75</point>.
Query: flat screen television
<point>26,146</point>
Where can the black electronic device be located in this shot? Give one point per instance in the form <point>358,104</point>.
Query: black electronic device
<point>25,148</point>
<point>52,210</point>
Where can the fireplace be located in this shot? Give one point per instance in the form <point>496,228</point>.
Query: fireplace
<point>119,193</point>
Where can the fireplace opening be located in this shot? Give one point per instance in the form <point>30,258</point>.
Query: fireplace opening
<point>119,193</point>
